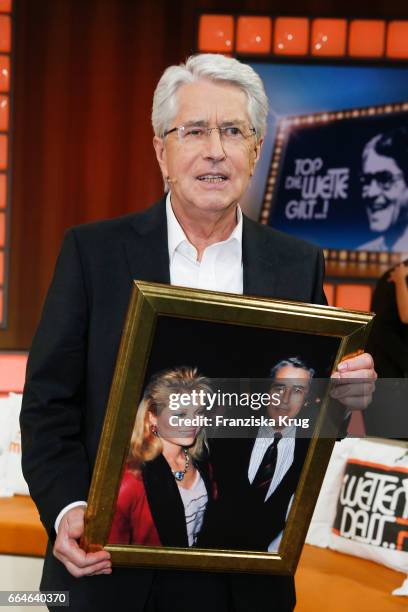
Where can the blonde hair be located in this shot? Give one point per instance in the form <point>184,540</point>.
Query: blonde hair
<point>144,444</point>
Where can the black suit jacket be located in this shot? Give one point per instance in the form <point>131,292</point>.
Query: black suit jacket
<point>237,520</point>
<point>73,355</point>
<point>165,500</point>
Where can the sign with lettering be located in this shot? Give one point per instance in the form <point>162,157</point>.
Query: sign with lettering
<point>373,505</point>
<point>340,179</point>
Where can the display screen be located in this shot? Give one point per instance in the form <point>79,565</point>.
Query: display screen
<point>334,167</point>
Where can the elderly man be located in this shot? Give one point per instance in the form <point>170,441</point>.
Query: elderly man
<point>385,190</point>
<point>209,119</point>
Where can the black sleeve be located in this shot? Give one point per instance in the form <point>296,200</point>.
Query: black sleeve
<point>54,458</point>
<point>388,330</point>
<point>318,296</point>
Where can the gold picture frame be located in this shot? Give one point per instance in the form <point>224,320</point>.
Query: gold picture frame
<point>153,305</point>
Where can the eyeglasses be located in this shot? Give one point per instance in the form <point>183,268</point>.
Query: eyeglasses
<point>230,135</point>
<point>384,179</point>
<point>281,389</point>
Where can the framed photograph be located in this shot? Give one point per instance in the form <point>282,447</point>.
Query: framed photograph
<point>218,429</point>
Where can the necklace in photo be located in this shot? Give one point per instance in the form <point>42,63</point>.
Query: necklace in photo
<point>179,474</point>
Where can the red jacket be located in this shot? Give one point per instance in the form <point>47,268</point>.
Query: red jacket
<point>133,522</point>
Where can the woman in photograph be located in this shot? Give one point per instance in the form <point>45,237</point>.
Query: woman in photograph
<point>167,484</point>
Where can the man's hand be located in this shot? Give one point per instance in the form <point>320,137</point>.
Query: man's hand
<point>67,550</point>
<point>355,381</point>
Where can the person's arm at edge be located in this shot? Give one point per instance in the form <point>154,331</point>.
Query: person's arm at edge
<point>360,367</point>
<point>399,277</point>
<point>53,398</point>
<point>52,409</point>
<point>386,330</point>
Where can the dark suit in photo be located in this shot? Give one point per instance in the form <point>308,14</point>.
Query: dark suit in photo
<point>239,520</point>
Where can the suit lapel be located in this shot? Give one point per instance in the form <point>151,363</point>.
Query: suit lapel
<point>259,261</point>
<point>165,502</point>
<point>146,246</point>
<point>290,480</point>
<point>146,250</point>
<point>230,457</point>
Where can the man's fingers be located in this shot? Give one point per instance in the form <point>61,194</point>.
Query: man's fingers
<point>91,570</point>
<point>70,551</point>
<point>79,563</point>
<point>355,374</point>
<point>363,364</point>
<point>67,550</point>
<point>353,395</point>
<point>359,402</point>
<point>103,570</point>
<point>357,389</point>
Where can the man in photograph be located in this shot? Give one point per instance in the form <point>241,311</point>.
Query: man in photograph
<point>257,476</point>
<point>209,120</point>
<point>384,180</point>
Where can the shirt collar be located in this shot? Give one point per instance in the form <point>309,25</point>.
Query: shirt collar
<point>268,432</point>
<point>176,235</point>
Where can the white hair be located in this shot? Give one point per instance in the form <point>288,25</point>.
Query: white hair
<point>371,146</point>
<point>216,68</point>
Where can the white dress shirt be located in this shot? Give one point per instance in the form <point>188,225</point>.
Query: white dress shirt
<point>220,269</point>
<point>286,453</point>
